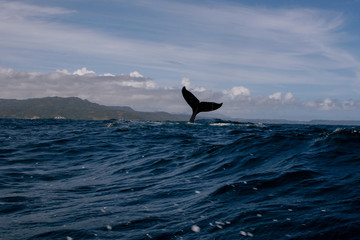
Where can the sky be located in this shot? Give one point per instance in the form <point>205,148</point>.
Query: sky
<point>285,59</point>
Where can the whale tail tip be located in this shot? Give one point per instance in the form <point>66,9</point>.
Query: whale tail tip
<point>198,106</point>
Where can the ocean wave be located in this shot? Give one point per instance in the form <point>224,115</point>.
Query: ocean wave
<point>173,180</point>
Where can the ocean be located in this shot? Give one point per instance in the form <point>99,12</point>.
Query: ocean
<point>66,179</point>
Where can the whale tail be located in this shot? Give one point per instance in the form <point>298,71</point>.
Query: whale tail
<point>198,106</point>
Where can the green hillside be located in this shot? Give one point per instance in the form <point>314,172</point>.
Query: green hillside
<point>55,107</point>
<point>77,109</point>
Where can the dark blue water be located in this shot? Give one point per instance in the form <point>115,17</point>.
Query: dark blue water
<point>64,179</point>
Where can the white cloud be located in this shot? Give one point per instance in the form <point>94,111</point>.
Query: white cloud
<point>139,84</point>
<point>289,98</point>
<point>109,75</point>
<point>64,71</point>
<point>327,105</point>
<point>186,82</point>
<point>83,71</point>
<point>6,71</point>
<point>199,89</point>
<point>275,96</point>
<point>238,91</point>
<point>136,75</point>
<point>348,105</point>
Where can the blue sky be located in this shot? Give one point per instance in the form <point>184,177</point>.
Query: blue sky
<point>296,60</point>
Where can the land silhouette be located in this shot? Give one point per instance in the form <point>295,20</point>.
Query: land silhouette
<point>79,109</point>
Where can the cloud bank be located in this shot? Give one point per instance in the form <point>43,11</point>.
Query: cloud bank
<point>226,45</point>
<point>142,93</point>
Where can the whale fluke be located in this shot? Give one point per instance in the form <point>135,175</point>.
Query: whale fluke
<point>198,106</point>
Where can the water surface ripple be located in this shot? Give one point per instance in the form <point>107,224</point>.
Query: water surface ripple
<point>63,179</point>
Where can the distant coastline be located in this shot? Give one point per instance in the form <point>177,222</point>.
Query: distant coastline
<point>78,109</point>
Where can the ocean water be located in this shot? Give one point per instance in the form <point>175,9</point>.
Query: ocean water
<point>63,179</point>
